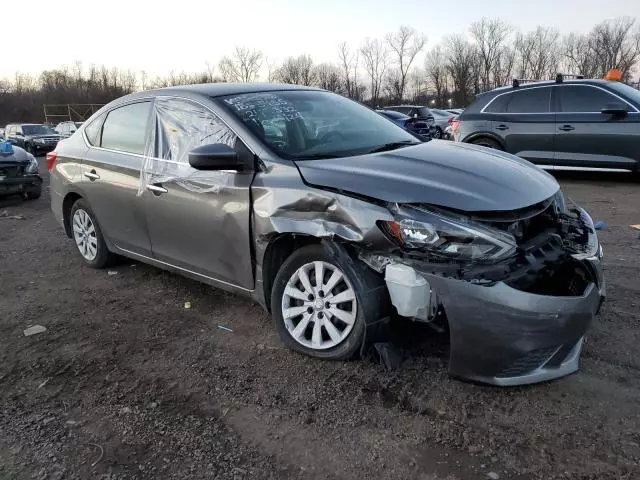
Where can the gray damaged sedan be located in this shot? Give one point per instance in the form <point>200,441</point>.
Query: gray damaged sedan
<point>336,221</point>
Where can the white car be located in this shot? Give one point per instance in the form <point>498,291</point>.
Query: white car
<point>66,129</point>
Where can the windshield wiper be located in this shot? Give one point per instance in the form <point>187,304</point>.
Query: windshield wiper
<point>393,145</point>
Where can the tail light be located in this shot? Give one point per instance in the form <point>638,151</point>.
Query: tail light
<point>51,160</point>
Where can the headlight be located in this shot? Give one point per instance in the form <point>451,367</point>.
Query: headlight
<point>33,165</point>
<point>452,238</point>
<point>558,199</point>
<point>39,140</point>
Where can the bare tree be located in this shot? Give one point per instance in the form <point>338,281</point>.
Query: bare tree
<point>349,65</point>
<point>416,85</point>
<point>271,69</point>
<point>328,77</point>
<point>490,37</point>
<point>375,57</point>
<point>578,56</point>
<point>436,73</point>
<point>538,53</point>
<point>502,72</point>
<point>392,85</point>
<point>615,45</point>
<point>405,44</point>
<point>241,66</point>
<point>463,67</point>
<point>298,70</point>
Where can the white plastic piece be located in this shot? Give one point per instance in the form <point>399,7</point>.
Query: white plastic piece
<point>409,291</point>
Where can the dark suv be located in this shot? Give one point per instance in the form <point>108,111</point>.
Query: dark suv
<point>558,124</point>
<point>37,139</point>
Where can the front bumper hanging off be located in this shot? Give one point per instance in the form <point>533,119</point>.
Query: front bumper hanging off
<point>504,336</point>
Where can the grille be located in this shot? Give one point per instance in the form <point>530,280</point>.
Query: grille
<point>10,172</point>
<point>523,365</point>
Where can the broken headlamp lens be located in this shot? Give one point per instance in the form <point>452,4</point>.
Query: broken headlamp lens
<point>450,238</point>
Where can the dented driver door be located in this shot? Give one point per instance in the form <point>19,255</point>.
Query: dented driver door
<point>198,221</point>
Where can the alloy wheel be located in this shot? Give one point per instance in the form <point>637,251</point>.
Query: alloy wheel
<point>319,306</point>
<point>84,233</point>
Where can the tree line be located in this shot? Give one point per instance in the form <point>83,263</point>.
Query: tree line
<point>394,68</point>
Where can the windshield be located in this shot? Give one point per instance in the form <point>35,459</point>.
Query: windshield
<point>424,112</point>
<point>629,92</point>
<point>394,115</point>
<point>37,130</point>
<point>441,113</point>
<point>304,124</point>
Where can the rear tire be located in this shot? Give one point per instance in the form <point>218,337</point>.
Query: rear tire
<point>88,237</point>
<point>325,320</point>
<point>487,142</point>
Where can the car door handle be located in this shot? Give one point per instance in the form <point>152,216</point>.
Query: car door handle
<point>502,127</point>
<point>92,175</point>
<point>157,189</point>
<point>567,128</point>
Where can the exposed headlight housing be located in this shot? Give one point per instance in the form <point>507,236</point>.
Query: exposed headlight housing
<point>453,238</point>
<point>33,165</point>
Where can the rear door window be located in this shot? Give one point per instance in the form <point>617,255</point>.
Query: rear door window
<point>498,105</point>
<point>532,100</point>
<point>125,128</point>
<point>583,99</point>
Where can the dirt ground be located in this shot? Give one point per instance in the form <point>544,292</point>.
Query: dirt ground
<point>127,383</point>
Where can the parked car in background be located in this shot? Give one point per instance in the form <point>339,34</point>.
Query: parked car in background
<point>414,125</point>
<point>19,172</point>
<point>442,120</point>
<point>66,129</point>
<point>567,123</point>
<point>334,233</point>
<point>35,138</point>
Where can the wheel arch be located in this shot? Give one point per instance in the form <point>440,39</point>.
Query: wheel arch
<point>67,203</point>
<point>485,134</point>
<point>280,248</point>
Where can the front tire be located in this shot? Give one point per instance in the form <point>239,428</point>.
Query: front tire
<point>88,236</point>
<point>437,134</point>
<point>317,304</point>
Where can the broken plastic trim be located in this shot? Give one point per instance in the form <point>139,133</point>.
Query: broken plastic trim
<point>178,126</point>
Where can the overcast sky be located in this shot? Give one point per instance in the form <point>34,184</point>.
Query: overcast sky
<point>159,36</point>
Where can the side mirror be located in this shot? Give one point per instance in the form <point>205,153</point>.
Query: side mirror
<point>215,156</point>
<point>615,108</point>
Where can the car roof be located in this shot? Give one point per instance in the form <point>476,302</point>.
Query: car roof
<point>222,89</point>
<point>545,83</point>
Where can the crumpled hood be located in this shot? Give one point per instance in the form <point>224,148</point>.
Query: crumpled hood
<point>448,174</point>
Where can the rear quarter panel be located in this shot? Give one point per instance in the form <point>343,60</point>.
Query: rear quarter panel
<point>66,175</point>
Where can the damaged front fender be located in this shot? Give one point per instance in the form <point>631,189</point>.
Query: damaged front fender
<point>284,205</point>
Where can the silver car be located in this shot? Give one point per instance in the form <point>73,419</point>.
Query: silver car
<point>336,230</point>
